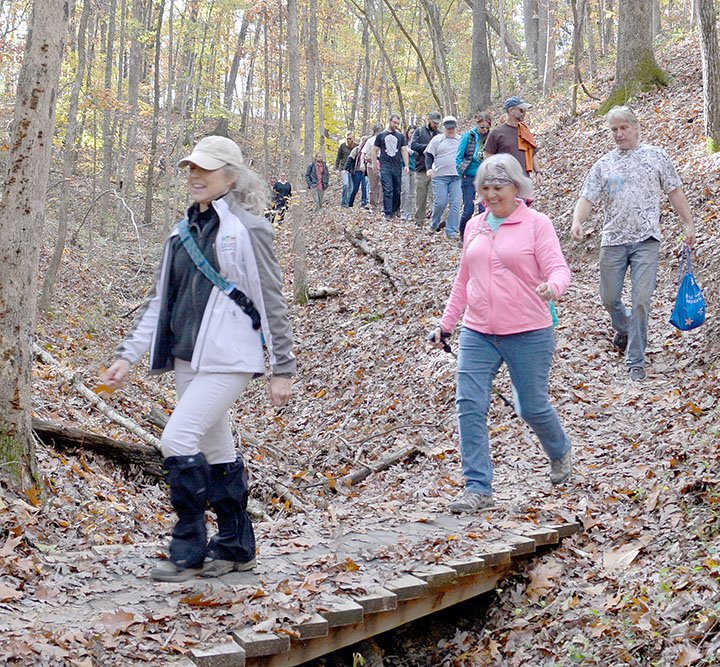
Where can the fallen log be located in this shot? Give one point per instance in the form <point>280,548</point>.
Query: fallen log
<point>323,293</point>
<point>61,436</point>
<point>147,457</point>
<point>364,471</point>
<point>357,239</point>
<point>91,396</point>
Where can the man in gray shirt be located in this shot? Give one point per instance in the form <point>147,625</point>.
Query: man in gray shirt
<point>630,182</point>
<point>441,166</point>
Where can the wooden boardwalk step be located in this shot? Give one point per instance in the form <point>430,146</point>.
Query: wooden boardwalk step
<point>378,600</point>
<point>258,644</point>
<point>407,587</point>
<point>228,654</point>
<point>415,592</point>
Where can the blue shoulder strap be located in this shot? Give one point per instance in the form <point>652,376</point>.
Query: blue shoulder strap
<point>207,269</point>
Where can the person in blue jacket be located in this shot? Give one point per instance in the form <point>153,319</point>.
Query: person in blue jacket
<point>215,342</point>
<point>469,157</point>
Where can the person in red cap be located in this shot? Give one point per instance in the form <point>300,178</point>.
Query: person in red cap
<point>514,137</point>
<point>213,328</point>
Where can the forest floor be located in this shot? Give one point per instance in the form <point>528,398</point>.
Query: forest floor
<point>639,586</point>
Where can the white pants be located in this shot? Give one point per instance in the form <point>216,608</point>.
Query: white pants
<point>200,420</point>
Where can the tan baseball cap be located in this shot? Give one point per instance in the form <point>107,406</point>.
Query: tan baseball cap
<point>214,152</point>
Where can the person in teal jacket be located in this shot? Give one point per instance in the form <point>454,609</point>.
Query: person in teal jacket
<point>469,157</point>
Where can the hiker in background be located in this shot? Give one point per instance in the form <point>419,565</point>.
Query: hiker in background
<point>392,152</point>
<point>340,160</point>
<point>355,166</point>
<point>282,191</point>
<point>440,157</point>
<point>469,157</point>
<point>423,187</point>
<point>372,169</point>
<point>630,181</point>
<point>213,341</point>
<point>407,196</point>
<point>515,138</point>
<point>511,259</point>
<point>317,178</point>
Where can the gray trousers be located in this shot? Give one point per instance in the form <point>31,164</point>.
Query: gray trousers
<point>423,197</point>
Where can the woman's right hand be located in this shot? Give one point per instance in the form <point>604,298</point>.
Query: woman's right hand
<point>115,376</point>
<point>435,338</point>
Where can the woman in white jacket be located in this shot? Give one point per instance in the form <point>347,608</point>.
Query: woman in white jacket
<point>213,341</point>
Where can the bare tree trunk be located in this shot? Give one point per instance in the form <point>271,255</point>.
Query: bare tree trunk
<point>355,97</point>
<point>511,44</point>
<point>155,126</point>
<point>708,23</point>
<point>69,159</point>
<point>542,37</point>
<point>656,19</point>
<point>609,26</point>
<point>636,69</point>
<point>367,65</point>
<point>107,134</point>
<point>134,68</point>
<point>235,66</point>
<point>315,51</point>
<point>531,23</point>
<point>592,55</point>
<point>549,78</point>
<point>247,98</point>
<point>169,170</point>
<point>480,68</point>
<point>311,60</point>
<point>266,96</point>
<point>23,204</point>
<point>432,14</point>
<point>578,10</point>
<point>281,96</point>
<point>415,47</point>
<point>386,58</point>
<point>300,288</point>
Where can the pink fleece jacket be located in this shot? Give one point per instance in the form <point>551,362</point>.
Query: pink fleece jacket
<point>494,290</point>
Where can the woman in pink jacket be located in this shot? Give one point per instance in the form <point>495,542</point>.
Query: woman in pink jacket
<point>511,266</point>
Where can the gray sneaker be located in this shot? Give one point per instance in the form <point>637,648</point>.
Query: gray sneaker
<point>471,502</point>
<point>637,373</point>
<point>214,567</point>
<point>169,571</point>
<point>560,469</point>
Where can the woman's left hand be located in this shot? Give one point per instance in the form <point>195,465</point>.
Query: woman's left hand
<point>280,391</point>
<point>544,291</point>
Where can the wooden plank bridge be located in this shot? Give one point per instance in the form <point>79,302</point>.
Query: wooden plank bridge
<point>405,592</point>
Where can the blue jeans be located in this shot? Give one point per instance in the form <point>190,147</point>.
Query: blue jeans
<point>446,189</point>
<point>358,181</point>
<point>642,259</point>
<point>391,180</point>
<point>528,356</point>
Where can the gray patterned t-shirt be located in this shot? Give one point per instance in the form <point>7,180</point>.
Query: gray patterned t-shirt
<point>631,184</point>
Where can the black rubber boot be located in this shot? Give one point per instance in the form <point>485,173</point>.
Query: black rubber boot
<point>188,479</point>
<point>233,548</point>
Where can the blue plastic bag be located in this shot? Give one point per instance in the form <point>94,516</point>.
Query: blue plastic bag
<point>689,310</point>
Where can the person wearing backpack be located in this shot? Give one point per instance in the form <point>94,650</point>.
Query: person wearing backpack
<point>355,167</point>
<point>215,312</point>
<point>469,157</point>
<point>510,267</point>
